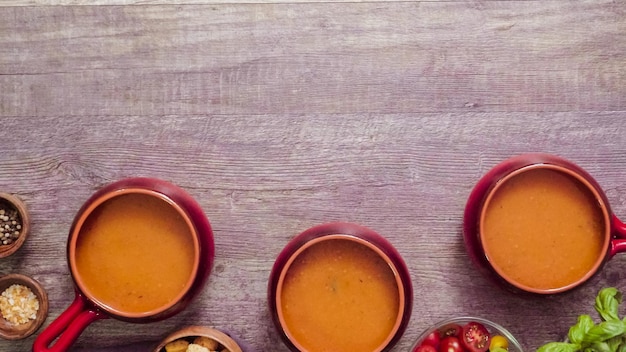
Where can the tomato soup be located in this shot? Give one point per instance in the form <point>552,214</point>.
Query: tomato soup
<point>339,295</point>
<point>135,254</point>
<point>543,229</point>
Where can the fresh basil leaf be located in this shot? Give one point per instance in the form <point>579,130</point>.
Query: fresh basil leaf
<point>558,347</point>
<point>604,331</point>
<point>607,303</point>
<point>577,332</point>
<point>585,336</point>
<point>614,343</point>
<point>599,347</point>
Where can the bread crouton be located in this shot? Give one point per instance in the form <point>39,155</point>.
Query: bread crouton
<point>177,346</point>
<point>207,342</point>
<point>197,348</point>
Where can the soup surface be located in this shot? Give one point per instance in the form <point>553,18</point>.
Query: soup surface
<point>543,229</point>
<point>339,295</point>
<point>134,253</point>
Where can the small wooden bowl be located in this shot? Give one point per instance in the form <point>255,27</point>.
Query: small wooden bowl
<point>10,331</point>
<point>11,201</point>
<point>195,331</point>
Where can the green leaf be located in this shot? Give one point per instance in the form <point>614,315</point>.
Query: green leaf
<point>614,343</point>
<point>577,332</point>
<point>559,347</point>
<point>599,347</point>
<point>585,336</point>
<point>607,303</point>
<point>604,331</point>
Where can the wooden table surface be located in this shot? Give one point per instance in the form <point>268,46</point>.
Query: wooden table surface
<point>281,115</point>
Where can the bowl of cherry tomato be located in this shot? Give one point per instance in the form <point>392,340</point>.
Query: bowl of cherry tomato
<point>466,334</point>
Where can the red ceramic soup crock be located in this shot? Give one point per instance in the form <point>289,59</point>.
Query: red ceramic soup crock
<point>613,235</point>
<point>85,308</point>
<point>346,233</point>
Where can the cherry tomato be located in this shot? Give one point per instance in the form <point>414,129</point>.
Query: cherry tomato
<point>451,344</point>
<point>450,330</point>
<point>425,348</point>
<point>433,339</point>
<point>499,341</point>
<point>475,337</point>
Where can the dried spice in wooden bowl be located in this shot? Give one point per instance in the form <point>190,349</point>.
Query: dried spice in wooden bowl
<point>23,306</point>
<point>10,224</point>
<point>14,224</point>
<point>18,304</point>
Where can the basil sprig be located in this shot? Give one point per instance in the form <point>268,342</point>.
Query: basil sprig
<point>607,336</point>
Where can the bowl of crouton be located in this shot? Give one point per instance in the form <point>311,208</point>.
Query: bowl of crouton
<point>198,339</point>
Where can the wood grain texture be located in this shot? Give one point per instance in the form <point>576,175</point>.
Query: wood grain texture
<point>302,58</point>
<point>279,117</point>
<point>184,2</point>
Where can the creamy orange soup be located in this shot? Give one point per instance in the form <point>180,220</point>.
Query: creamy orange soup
<point>134,253</point>
<point>339,295</point>
<point>543,229</point>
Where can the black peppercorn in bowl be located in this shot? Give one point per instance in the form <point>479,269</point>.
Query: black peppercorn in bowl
<point>14,224</point>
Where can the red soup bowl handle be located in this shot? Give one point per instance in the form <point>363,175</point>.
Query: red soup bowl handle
<point>67,327</point>
<point>618,245</point>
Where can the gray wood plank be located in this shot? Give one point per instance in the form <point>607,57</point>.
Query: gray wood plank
<point>178,2</point>
<point>301,58</point>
